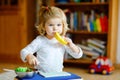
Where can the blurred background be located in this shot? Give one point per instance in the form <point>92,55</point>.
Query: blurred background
<point>19,17</point>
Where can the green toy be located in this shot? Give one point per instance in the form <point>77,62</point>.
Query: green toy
<point>21,69</point>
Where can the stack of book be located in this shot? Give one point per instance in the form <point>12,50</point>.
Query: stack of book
<point>94,48</point>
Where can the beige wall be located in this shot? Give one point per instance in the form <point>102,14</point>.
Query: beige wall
<point>118,46</point>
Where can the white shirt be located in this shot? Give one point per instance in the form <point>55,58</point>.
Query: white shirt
<point>50,53</point>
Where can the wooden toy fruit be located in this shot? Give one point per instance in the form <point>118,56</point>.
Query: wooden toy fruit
<point>60,39</point>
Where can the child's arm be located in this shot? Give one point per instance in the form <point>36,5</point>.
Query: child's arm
<point>73,49</point>
<point>72,45</point>
<point>27,52</point>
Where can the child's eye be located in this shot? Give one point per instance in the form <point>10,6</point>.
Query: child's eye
<point>59,24</point>
<point>50,24</point>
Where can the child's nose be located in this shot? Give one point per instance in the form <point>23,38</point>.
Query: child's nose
<point>55,27</point>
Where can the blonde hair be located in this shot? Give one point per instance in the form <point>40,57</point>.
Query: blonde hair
<point>46,13</point>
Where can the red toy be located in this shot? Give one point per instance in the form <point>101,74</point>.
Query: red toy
<point>101,65</point>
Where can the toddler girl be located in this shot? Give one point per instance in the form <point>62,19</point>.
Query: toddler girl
<point>50,53</point>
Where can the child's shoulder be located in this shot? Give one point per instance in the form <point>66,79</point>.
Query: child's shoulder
<point>38,40</point>
<point>39,37</point>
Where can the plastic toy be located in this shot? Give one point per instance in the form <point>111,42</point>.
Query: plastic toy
<point>60,39</point>
<point>23,69</point>
<point>101,65</point>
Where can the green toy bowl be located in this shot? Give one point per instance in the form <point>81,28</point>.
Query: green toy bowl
<point>24,72</point>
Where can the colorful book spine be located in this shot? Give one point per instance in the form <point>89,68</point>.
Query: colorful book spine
<point>75,21</point>
<point>98,25</point>
<point>106,23</point>
<point>91,26</point>
<point>95,26</point>
<point>88,26</point>
<point>102,24</point>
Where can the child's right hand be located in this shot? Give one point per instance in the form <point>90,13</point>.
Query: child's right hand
<point>32,60</point>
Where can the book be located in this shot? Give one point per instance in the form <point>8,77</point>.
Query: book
<point>83,22</point>
<point>91,26</point>
<point>94,26</point>
<point>98,25</point>
<point>84,47</point>
<point>75,20</point>
<point>106,23</point>
<point>96,43</point>
<point>102,23</point>
<point>88,26</point>
<point>54,74</point>
<point>99,41</point>
<point>91,53</point>
<point>62,1</point>
<point>98,50</point>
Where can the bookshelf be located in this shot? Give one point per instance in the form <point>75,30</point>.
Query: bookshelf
<point>78,35</point>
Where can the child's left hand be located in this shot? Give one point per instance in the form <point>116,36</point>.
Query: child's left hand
<point>71,45</point>
<point>69,41</point>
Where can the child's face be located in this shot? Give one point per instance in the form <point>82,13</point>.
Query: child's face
<point>53,25</point>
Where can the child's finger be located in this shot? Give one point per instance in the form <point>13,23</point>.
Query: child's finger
<point>31,62</point>
<point>36,62</point>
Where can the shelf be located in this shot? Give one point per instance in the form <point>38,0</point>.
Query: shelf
<point>15,7</point>
<point>77,61</point>
<point>7,10</point>
<point>82,3</point>
<point>86,32</point>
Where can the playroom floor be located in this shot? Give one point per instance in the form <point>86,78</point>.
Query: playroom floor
<point>76,69</point>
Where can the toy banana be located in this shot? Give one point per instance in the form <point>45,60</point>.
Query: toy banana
<point>60,39</point>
